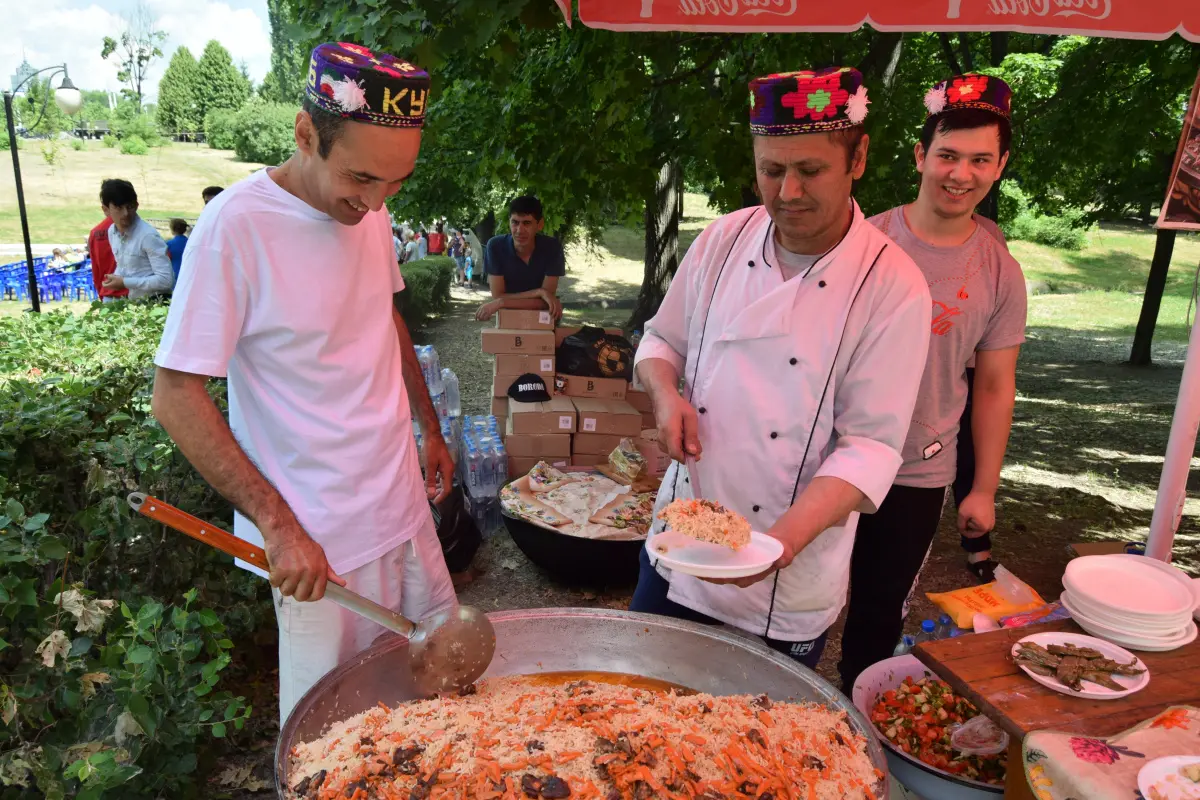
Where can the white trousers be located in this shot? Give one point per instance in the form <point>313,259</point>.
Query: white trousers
<point>316,637</point>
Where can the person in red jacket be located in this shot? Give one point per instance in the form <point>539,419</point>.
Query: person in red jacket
<point>437,241</point>
<point>103,261</point>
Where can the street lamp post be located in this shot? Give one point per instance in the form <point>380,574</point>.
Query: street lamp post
<point>69,99</point>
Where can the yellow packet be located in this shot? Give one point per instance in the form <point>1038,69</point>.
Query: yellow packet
<point>963,604</point>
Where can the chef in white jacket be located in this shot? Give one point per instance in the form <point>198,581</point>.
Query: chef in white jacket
<point>800,333</point>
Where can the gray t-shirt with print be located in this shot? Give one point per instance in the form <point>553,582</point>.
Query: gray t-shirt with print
<point>979,303</point>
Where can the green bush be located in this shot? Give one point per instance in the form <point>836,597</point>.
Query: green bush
<point>218,128</point>
<point>134,146</point>
<point>109,140</point>
<point>426,288</point>
<point>141,125</point>
<point>265,132</point>
<point>1068,231</point>
<point>97,694</point>
<point>1013,203</point>
<point>78,145</point>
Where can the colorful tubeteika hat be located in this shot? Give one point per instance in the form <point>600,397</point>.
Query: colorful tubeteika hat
<point>970,91</point>
<point>808,101</point>
<point>353,82</point>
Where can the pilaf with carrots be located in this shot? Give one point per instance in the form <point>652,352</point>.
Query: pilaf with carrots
<point>515,738</point>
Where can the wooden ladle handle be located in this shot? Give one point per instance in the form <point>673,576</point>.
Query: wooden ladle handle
<point>198,529</point>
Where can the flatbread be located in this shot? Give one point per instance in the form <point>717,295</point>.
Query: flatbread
<point>521,502</point>
<point>545,478</point>
<point>633,511</point>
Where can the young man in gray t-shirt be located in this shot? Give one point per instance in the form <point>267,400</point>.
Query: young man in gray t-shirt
<point>979,310</point>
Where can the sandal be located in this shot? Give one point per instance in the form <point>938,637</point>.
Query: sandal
<point>984,570</point>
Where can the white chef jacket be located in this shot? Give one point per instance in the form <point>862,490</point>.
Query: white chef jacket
<point>791,380</point>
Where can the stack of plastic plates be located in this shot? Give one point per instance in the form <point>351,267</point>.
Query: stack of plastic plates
<point>1134,601</point>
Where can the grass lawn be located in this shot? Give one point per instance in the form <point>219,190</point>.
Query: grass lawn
<point>63,200</point>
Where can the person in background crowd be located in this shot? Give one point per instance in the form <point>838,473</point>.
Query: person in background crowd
<point>800,332</point>
<point>210,192</point>
<point>397,244</point>
<point>979,309</point>
<point>523,266</point>
<point>455,252</point>
<point>176,244</point>
<point>58,259</point>
<point>143,266</point>
<point>422,244</point>
<point>468,256</point>
<point>411,248</point>
<point>437,240</point>
<point>103,262</point>
<point>318,455</point>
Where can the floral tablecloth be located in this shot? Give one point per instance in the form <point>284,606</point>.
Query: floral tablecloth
<point>1065,766</point>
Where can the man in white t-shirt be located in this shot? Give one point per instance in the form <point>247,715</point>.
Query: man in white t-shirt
<point>287,287</point>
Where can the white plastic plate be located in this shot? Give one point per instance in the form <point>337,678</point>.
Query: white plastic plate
<point>1090,690</point>
<point>1127,586</point>
<point>1161,779</point>
<point>704,560</point>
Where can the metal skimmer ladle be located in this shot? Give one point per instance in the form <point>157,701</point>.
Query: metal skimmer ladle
<point>448,651</point>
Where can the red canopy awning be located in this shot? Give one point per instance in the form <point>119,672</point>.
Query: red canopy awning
<point>1128,19</point>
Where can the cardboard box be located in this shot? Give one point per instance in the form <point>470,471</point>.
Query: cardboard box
<point>656,460</point>
<point>507,340</point>
<point>584,460</point>
<point>602,388</point>
<point>500,407</point>
<point>556,415</point>
<point>524,319</point>
<point>649,420</point>
<point>538,445</point>
<point>563,333</point>
<point>517,364</point>
<point>639,400</point>
<point>594,444</point>
<point>612,417</point>
<point>521,466</point>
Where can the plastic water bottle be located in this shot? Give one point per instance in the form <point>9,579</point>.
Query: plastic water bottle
<point>926,632</point>
<point>944,628</point>
<point>904,645</point>
<point>473,469</point>
<point>450,381</point>
<point>501,465</point>
<point>434,378</point>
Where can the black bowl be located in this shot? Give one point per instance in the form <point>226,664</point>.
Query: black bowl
<point>574,560</point>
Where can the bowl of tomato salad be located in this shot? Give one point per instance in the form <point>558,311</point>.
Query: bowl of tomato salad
<point>912,712</point>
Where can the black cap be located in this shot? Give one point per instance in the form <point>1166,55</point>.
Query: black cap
<point>529,388</point>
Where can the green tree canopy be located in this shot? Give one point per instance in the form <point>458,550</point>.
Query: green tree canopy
<point>178,104</point>
<point>221,85</point>
<point>38,96</point>
<point>284,83</point>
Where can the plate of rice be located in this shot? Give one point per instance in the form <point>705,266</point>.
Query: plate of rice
<point>704,539</point>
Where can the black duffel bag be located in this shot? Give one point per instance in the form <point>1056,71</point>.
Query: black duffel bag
<point>594,353</point>
<point>456,530</point>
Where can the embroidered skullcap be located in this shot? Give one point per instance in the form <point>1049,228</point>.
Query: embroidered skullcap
<point>808,101</point>
<point>351,81</point>
<point>970,91</point>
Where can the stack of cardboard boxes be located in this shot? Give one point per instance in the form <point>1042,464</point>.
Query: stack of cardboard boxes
<point>579,426</point>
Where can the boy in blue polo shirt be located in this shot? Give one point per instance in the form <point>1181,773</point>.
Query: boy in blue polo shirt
<point>176,244</point>
<point>523,267</point>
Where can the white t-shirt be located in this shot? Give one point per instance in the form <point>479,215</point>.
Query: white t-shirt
<point>296,309</point>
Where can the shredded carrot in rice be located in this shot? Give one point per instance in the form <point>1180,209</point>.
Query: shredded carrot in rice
<point>516,738</point>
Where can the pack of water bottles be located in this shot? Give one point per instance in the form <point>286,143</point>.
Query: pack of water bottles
<point>483,469</point>
<point>442,383</point>
<point>931,631</point>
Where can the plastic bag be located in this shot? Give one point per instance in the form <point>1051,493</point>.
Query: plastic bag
<point>1047,613</point>
<point>594,353</point>
<point>456,530</point>
<point>978,736</point>
<point>990,600</point>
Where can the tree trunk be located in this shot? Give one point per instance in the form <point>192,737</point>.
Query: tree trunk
<point>1143,337</point>
<point>484,230</point>
<point>999,41</point>
<point>664,211</point>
